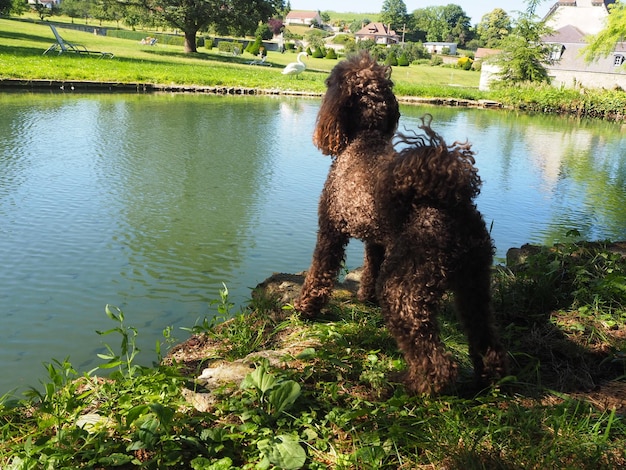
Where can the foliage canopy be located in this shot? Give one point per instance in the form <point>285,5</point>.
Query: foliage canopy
<point>190,16</point>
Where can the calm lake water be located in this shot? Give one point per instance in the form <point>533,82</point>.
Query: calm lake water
<point>151,202</point>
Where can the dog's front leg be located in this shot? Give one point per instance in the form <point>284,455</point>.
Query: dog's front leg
<point>320,279</point>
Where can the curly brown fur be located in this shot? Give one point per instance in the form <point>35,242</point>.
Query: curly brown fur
<point>414,210</point>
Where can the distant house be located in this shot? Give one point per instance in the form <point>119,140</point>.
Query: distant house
<point>439,47</point>
<point>570,69</point>
<point>377,32</point>
<point>299,17</point>
<point>572,21</point>
<point>46,3</point>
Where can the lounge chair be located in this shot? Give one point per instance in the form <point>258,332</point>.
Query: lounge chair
<point>63,46</point>
<point>261,61</point>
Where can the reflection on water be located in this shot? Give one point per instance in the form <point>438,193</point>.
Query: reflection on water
<point>151,202</point>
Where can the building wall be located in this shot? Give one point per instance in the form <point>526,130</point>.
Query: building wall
<point>571,79</point>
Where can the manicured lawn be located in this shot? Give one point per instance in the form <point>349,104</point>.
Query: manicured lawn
<point>22,44</point>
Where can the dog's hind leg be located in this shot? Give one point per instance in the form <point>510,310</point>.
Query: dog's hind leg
<point>472,293</point>
<point>410,296</point>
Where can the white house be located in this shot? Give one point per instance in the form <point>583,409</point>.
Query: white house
<point>46,3</point>
<point>299,17</point>
<point>438,47</point>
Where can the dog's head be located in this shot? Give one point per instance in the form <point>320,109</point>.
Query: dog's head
<point>359,98</point>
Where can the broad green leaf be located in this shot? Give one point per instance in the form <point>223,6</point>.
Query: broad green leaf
<point>285,395</point>
<point>284,451</point>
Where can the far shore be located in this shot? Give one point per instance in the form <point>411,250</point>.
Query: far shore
<point>17,84</point>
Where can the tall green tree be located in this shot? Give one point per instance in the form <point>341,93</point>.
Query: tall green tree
<point>494,27</point>
<point>524,55</point>
<point>191,16</point>
<point>447,23</point>
<point>393,12</point>
<point>603,43</point>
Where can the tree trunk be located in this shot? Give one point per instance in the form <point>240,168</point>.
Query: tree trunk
<point>190,41</point>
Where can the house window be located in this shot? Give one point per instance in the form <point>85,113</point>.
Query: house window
<point>556,51</point>
<point>618,60</point>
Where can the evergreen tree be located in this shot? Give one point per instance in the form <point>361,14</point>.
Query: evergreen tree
<point>403,60</point>
<point>523,55</point>
<point>391,59</point>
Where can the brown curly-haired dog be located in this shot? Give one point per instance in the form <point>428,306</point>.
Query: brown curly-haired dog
<point>414,210</point>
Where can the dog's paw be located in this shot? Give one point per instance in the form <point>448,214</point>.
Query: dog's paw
<point>305,309</point>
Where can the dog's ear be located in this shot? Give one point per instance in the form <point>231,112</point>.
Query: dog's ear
<point>331,132</point>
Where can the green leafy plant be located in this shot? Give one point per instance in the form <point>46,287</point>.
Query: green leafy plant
<point>124,360</point>
<point>273,394</point>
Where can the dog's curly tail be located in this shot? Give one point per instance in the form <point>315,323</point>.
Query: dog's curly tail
<point>427,167</point>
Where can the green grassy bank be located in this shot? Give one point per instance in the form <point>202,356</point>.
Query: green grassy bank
<point>283,393</point>
<point>165,65</point>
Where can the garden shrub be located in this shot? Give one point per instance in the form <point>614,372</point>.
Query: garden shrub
<point>208,43</point>
<point>264,32</point>
<point>464,63</point>
<point>229,47</point>
<point>403,60</point>
<point>391,59</point>
<point>319,53</point>
<point>170,39</point>
<point>254,47</point>
<point>341,39</point>
<point>331,54</point>
<point>436,60</point>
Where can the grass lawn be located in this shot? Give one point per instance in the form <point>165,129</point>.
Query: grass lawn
<point>22,44</point>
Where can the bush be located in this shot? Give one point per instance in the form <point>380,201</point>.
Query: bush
<point>254,47</point>
<point>208,43</point>
<point>331,54</point>
<point>436,60</point>
<point>464,63</point>
<point>319,53</point>
<point>391,59</point>
<point>230,47</point>
<point>169,39</point>
<point>342,39</point>
<point>403,60</point>
<point>264,32</point>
